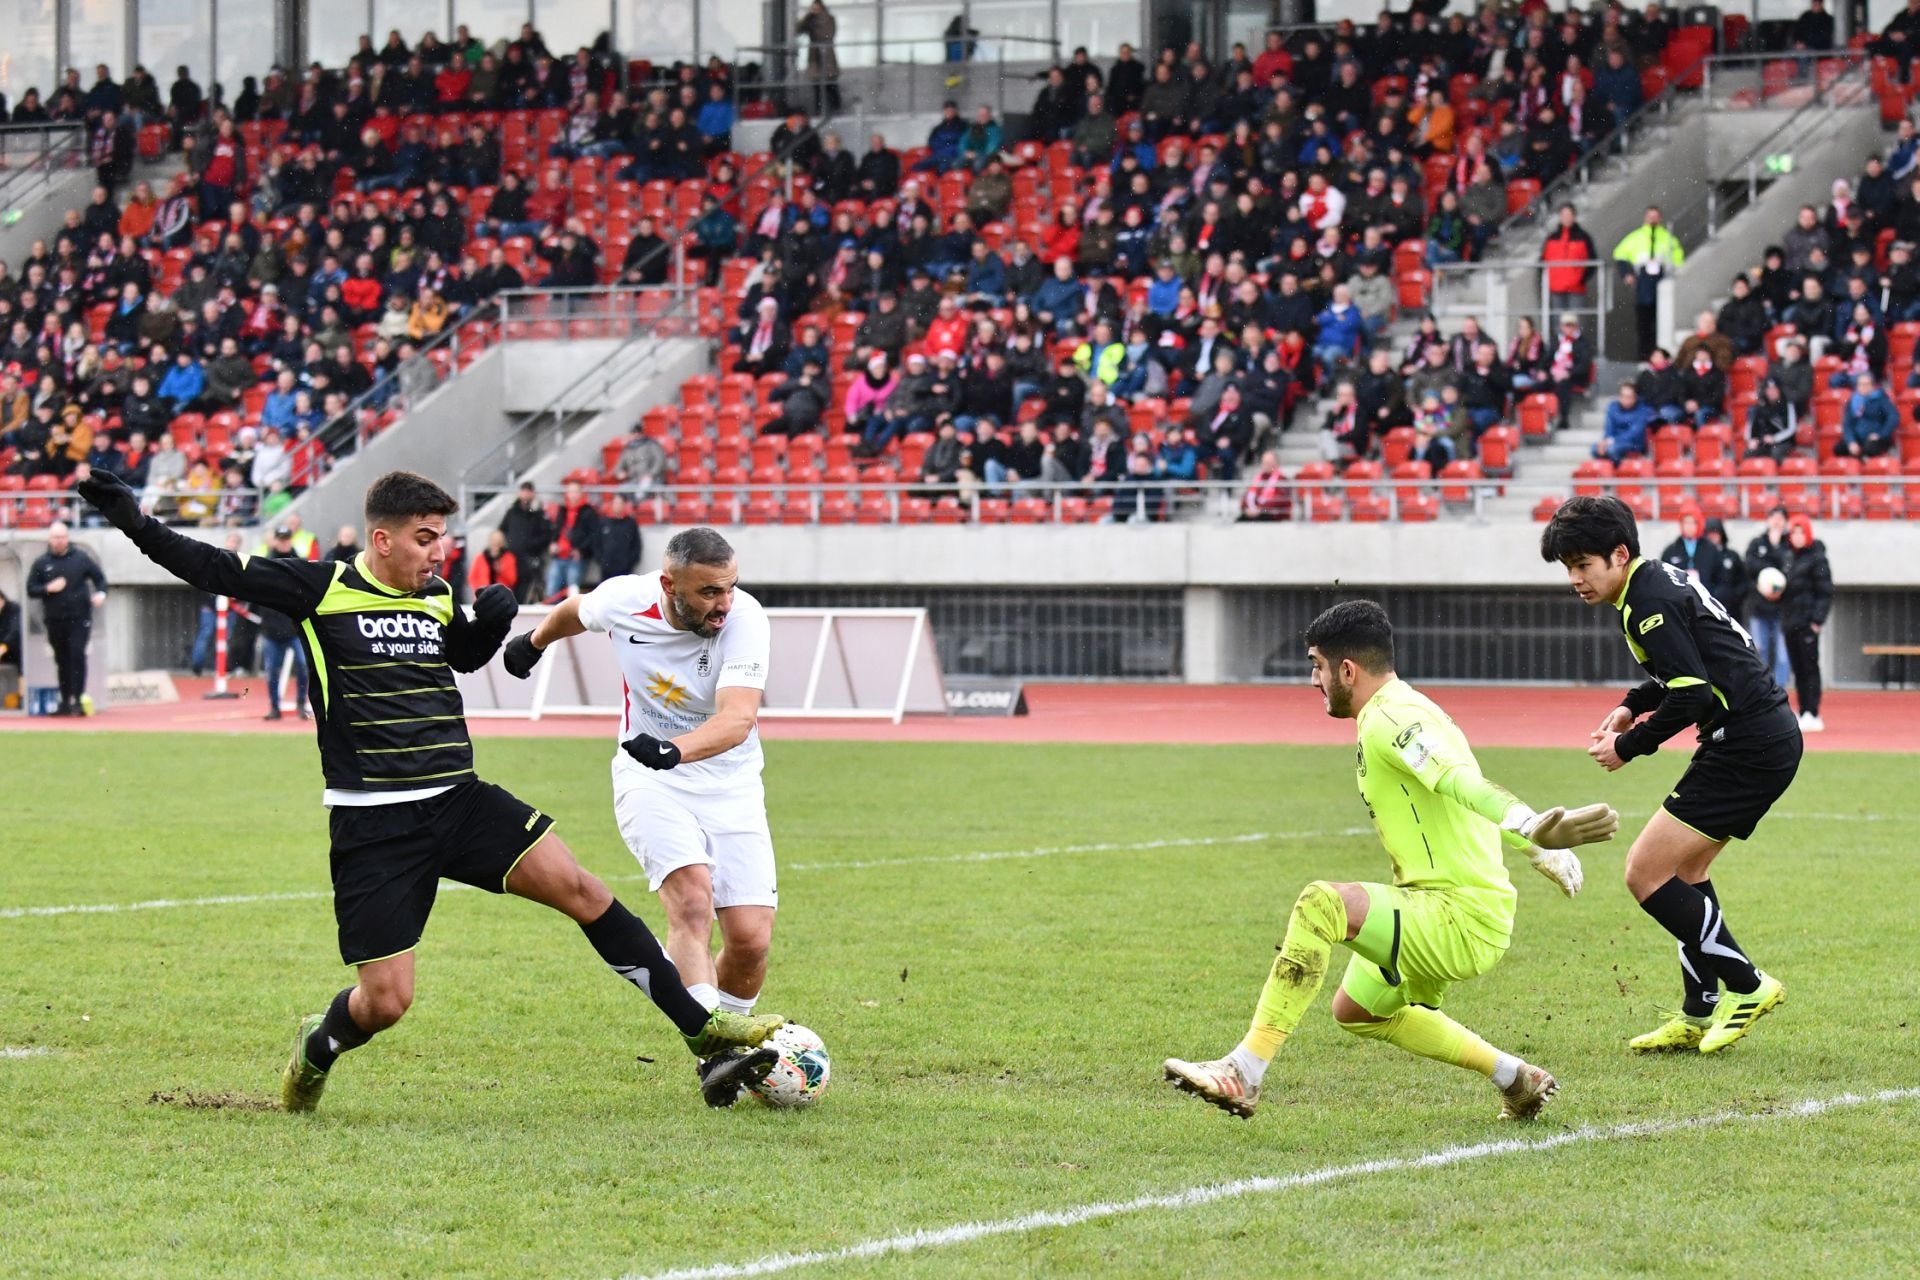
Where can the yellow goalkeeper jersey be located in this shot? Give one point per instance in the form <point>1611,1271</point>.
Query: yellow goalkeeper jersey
<point>1436,814</point>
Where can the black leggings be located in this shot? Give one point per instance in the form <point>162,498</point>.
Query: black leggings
<point>1803,651</point>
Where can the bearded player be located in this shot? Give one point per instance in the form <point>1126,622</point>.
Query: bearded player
<point>1448,914</point>
<point>693,655</point>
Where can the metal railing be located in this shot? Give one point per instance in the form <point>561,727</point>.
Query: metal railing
<point>1497,291</point>
<point>1149,500</point>
<point>904,75</point>
<point>169,502</point>
<point>637,316</point>
<point>33,156</point>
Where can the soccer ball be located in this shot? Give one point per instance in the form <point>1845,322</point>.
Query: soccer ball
<point>1771,582</point>
<point>800,1076</point>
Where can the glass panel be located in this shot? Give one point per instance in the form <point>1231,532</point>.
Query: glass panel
<point>173,34</point>
<point>660,31</point>
<point>1100,26</point>
<point>413,19</point>
<point>96,33</point>
<point>490,21</point>
<point>913,32</point>
<point>727,26</point>
<point>855,26</point>
<point>26,57</point>
<point>245,46</point>
<point>334,28</point>
<point>567,25</point>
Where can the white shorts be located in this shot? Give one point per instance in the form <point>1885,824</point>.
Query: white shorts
<point>667,828</point>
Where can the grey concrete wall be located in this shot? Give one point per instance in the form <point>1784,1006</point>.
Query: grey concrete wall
<point>459,421</point>
<point>1839,150</point>
<point>41,217</point>
<point>673,363</point>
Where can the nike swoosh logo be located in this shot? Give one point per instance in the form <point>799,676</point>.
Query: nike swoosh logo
<point>638,640</point>
<point>665,750</point>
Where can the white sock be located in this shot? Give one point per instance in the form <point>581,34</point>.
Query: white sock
<point>706,993</point>
<point>736,1004</point>
<point>1506,1070</point>
<point>1252,1066</point>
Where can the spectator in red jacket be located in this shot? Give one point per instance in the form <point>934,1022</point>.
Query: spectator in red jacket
<point>495,564</point>
<point>1567,286</point>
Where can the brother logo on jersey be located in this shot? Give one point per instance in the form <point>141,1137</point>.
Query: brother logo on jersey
<point>404,626</point>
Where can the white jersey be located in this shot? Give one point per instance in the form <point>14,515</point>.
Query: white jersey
<point>672,678</point>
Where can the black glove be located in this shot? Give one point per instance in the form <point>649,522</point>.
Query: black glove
<point>109,495</point>
<point>520,656</point>
<point>655,753</point>
<point>495,606</point>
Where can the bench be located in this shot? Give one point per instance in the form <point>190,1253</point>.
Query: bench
<point>1887,653</point>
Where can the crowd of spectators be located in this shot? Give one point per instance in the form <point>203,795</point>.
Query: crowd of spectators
<point>316,240</point>
<point>1820,331</point>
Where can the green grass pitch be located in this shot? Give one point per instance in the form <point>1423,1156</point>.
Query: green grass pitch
<point>996,1027</point>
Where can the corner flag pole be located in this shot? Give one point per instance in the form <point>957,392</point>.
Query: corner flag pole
<point>220,606</point>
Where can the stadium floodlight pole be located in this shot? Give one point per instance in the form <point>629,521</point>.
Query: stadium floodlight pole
<point>221,606</point>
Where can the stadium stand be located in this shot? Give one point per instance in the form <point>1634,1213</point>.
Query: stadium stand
<point>1192,258</point>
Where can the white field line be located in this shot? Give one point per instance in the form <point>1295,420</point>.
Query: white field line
<point>242,899</point>
<point>31,1051</point>
<point>859,864</point>
<point>1193,1197</point>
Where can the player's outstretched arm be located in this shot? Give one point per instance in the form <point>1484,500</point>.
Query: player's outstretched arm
<point>524,650</point>
<point>291,586</point>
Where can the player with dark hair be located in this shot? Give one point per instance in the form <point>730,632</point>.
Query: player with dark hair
<point>1704,671</point>
<point>383,639</point>
<point>1447,916</point>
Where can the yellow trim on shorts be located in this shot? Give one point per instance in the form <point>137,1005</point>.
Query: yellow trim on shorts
<point>355,964</point>
<point>551,824</point>
<point>1697,831</point>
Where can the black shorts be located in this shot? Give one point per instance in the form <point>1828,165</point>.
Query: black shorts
<point>388,860</point>
<point>1734,780</point>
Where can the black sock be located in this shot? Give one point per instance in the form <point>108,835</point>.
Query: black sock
<point>1694,918</point>
<point>336,1034</point>
<point>1701,983</point>
<point>630,950</point>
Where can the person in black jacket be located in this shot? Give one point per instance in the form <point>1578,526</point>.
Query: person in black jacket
<point>529,534</point>
<point>616,539</point>
<point>1694,555</point>
<point>9,632</point>
<point>1743,318</point>
<point>1732,575</point>
<point>1772,424</point>
<point>1804,607</point>
<point>59,580</point>
<point>277,632</point>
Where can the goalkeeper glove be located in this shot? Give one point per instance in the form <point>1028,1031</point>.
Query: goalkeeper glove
<point>520,656</point>
<point>1559,866</point>
<point>654,753</point>
<point>1563,828</point>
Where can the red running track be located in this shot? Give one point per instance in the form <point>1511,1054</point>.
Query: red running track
<point>1493,716</point>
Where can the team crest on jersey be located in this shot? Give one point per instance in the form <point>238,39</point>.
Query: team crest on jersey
<point>705,666</point>
<point>671,693</point>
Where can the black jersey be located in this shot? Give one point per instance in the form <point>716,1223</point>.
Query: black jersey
<point>1704,667</point>
<point>388,714</point>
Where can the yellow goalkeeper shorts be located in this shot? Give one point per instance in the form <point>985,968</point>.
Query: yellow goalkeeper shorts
<point>1414,944</point>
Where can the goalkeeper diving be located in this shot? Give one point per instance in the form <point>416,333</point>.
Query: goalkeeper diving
<point>1447,916</point>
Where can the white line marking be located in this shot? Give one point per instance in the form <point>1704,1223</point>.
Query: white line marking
<point>860,864</point>
<point>242,899</point>
<point>1193,1197</point>
<point>31,1051</point>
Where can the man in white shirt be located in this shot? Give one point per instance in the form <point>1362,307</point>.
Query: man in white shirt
<point>693,651</point>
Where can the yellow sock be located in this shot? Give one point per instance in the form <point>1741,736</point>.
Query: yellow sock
<point>1318,921</point>
<point>1431,1034</point>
